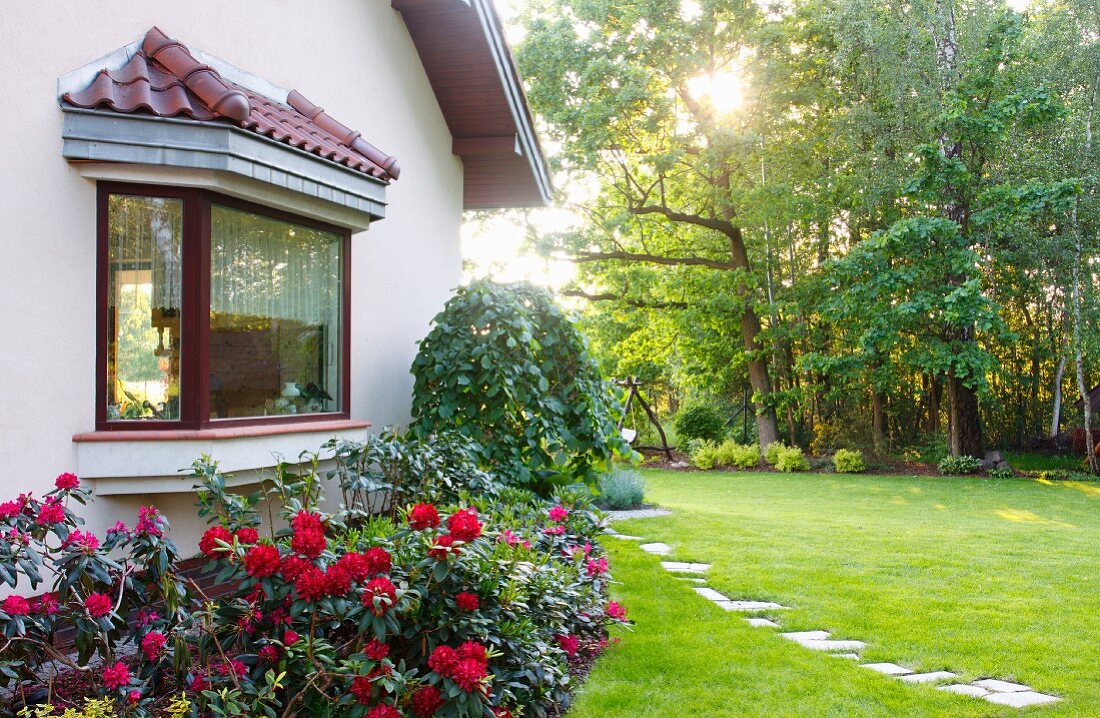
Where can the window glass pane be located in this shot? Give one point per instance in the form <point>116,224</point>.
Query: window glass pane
<point>144,276</point>
<point>276,292</point>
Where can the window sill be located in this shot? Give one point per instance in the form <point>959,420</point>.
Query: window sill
<point>157,461</point>
<point>218,433</point>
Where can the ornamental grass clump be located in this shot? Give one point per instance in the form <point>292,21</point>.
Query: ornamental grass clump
<point>622,489</point>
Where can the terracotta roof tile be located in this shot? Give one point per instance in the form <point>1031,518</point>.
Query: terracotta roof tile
<point>165,80</point>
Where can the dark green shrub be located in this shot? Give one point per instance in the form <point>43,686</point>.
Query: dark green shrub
<point>622,489</point>
<point>1003,473</point>
<point>700,422</point>
<point>504,367</point>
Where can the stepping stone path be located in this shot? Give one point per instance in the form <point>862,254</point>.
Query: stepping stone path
<point>1015,695</point>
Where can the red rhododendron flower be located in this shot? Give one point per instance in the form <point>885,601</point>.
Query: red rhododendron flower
<point>98,605</point>
<point>270,653</point>
<point>443,546</point>
<point>356,565</point>
<point>554,530</point>
<point>290,638</point>
<point>149,521</point>
<point>153,644</point>
<point>51,512</point>
<point>16,606</point>
<point>247,535</point>
<point>596,567</point>
<point>423,516</point>
<point>209,545</point>
<point>293,566</point>
<point>133,696</point>
<point>262,560</point>
<point>616,611</point>
<point>199,682</point>
<point>10,509</point>
<point>376,650</point>
<point>378,561</point>
<point>47,604</point>
<point>426,701</point>
<point>311,584</point>
<point>144,618</point>
<point>339,580</point>
<point>306,521</point>
<point>558,514</point>
<point>383,711</point>
<point>442,660</point>
<point>116,676</point>
<point>467,673</point>
<point>66,481</point>
<point>84,540</point>
<point>474,651</point>
<point>463,525</point>
<point>361,687</point>
<point>569,644</point>
<point>308,542</point>
<point>467,601</point>
<point>118,528</point>
<point>379,588</point>
<point>502,712</point>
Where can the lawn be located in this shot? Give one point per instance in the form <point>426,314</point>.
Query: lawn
<point>981,577</point>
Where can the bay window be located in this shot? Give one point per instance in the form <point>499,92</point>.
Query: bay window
<point>215,311</point>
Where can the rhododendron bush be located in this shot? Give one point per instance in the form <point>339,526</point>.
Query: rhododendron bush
<point>459,610</point>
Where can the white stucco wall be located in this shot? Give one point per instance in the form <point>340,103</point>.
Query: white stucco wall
<point>352,57</point>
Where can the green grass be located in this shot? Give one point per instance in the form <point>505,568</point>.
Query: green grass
<point>981,577</point>
<point>1038,462</point>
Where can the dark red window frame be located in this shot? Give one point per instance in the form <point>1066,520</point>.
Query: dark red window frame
<point>195,326</point>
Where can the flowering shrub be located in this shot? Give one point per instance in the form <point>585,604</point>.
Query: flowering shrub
<point>462,610</point>
<point>98,585</point>
<point>455,611</point>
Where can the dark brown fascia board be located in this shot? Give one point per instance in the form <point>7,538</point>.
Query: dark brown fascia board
<point>526,137</point>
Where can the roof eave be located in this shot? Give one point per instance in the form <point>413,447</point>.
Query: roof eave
<point>527,144</point>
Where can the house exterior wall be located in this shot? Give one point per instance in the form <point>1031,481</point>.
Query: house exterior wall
<point>354,58</point>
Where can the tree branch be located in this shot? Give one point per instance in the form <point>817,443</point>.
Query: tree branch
<point>719,225</point>
<point>610,297</point>
<point>586,257</point>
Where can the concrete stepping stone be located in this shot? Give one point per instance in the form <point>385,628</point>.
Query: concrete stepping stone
<point>802,636</point>
<point>761,623</point>
<point>626,537</point>
<point>996,686</point>
<point>660,549</point>
<point>889,669</point>
<point>692,580</point>
<point>964,690</point>
<point>750,605</point>
<point>636,514</point>
<point>710,594</point>
<point>853,656</point>
<point>933,677</point>
<point>829,646</point>
<point>1021,699</point>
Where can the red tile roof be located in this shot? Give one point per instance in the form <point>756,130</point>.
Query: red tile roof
<point>165,80</point>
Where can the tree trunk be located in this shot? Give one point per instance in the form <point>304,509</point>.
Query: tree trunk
<point>878,421</point>
<point>966,429</point>
<point>1056,419</point>
<point>767,426</point>
<point>935,389</point>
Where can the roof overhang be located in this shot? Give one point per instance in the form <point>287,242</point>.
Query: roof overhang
<point>473,74</point>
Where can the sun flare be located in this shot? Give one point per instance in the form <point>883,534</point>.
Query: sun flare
<point>723,90</point>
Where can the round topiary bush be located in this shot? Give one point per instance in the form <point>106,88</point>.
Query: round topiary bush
<point>504,367</point>
<point>849,461</point>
